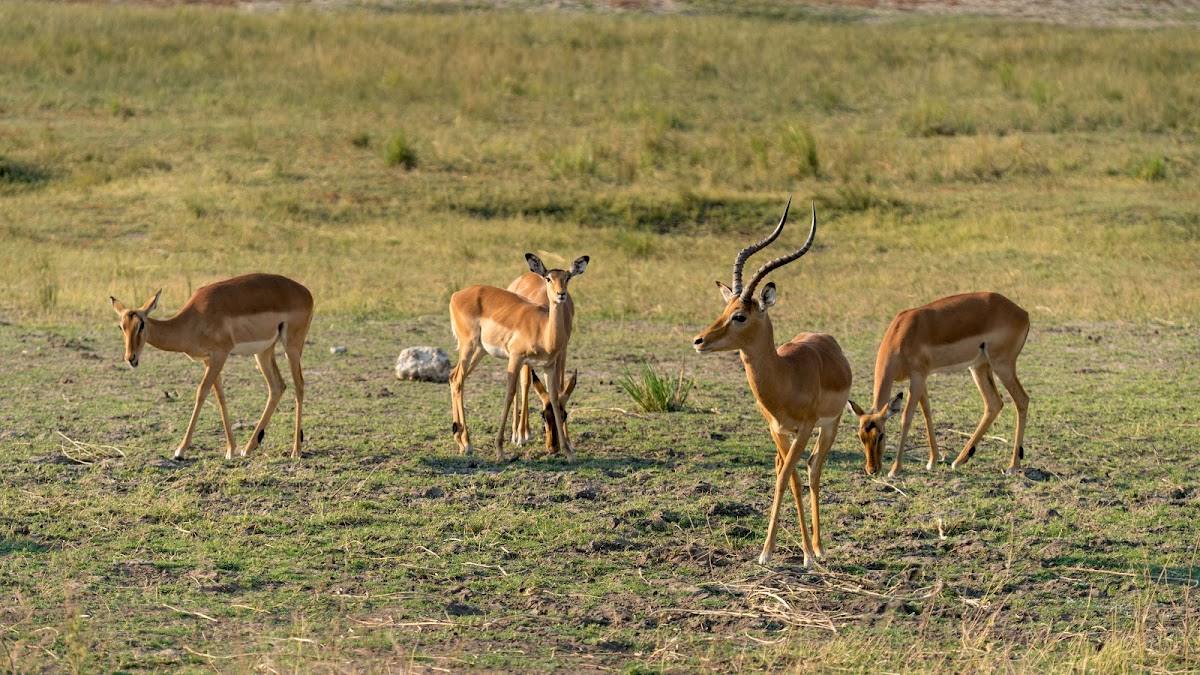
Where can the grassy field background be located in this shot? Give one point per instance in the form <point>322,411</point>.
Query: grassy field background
<point>388,158</point>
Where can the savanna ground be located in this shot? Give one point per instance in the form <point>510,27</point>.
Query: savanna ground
<point>387,155</point>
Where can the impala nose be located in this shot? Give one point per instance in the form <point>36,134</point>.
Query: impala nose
<point>698,341</point>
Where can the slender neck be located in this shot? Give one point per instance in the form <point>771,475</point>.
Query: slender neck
<point>170,335</point>
<point>557,331</point>
<point>758,354</point>
<point>885,377</point>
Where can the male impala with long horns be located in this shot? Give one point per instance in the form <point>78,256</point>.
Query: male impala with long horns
<point>244,315</point>
<point>800,386</point>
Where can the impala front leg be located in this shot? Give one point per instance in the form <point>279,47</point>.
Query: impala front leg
<point>781,480</point>
<point>510,391</point>
<point>520,424</point>
<point>212,370</point>
<point>916,391</point>
<point>782,444</point>
<point>220,392</point>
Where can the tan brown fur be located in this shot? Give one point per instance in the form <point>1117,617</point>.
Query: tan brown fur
<point>487,319</point>
<point>244,315</point>
<point>799,386</point>
<point>983,332</point>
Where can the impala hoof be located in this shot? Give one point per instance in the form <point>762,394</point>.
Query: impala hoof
<point>763,558</point>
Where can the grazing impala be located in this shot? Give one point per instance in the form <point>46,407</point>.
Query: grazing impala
<point>245,315</point>
<point>564,397</point>
<point>983,332</point>
<point>504,324</point>
<point>533,288</point>
<point>801,386</point>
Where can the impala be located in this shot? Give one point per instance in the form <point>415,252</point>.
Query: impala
<point>495,321</point>
<point>245,315</point>
<point>983,332</point>
<point>533,288</point>
<point>800,386</point>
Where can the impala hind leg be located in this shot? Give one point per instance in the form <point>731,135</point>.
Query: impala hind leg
<point>816,461</point>
<point>934,455</point>
<point>992,403</point>
<point>782,478</point>
<point>468,357</point>
<point>212,372</point>
<point>293,355</point>
<point>1008,376</point>
<point>275,388</point>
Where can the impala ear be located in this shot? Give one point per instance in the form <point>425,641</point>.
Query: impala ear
<point>535,264</point>
<point>568,387</point>
<point>539,388</point>
<point>896,405</point>
<point>152,303</point>
<point>727,293</point>
<point>853,407</point>
<point>579,265</point>
<point>118,306</point>
<point>768,297</point>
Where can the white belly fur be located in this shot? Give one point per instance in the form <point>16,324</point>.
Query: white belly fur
<point>253,334</point>
<point>251,348</point>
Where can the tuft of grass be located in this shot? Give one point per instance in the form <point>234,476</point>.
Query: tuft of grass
<point>401,152</point>
<point>1151,169</point>
<point>18,174</point>
<point>654,392</point>
<point>801,149</point>
<point>361,140</point>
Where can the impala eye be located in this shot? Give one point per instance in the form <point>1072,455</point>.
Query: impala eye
<point>740,318</point>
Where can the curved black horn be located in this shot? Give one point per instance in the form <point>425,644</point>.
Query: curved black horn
<point>780,262</point>
<point>741,258</point>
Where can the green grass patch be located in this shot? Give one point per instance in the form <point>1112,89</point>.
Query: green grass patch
<point>654,392</point>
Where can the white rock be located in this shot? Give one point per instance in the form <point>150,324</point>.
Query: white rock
<point>429,364</point>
